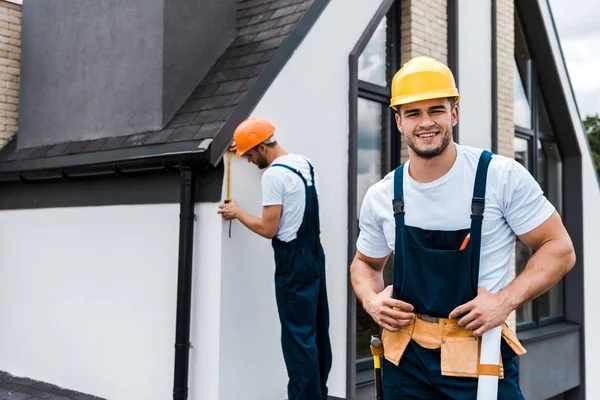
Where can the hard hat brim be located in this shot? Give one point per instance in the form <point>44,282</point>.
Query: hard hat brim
<point>399,100</point>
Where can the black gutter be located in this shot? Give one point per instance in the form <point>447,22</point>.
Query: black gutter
<point>453,46</point>
<point>184,283</point>
<point>27,161</point>
<point>494,80</point>
<point>152,163</point>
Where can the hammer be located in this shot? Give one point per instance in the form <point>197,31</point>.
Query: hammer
<point>377,351</point>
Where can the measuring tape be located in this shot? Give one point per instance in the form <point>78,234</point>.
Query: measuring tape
<point>229,154</point>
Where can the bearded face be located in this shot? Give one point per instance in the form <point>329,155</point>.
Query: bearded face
<point>427,126</point>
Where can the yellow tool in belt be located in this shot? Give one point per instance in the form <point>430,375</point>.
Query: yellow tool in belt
<point>377,351</point>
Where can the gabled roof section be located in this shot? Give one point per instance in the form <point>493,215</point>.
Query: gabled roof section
<point>268,33</point>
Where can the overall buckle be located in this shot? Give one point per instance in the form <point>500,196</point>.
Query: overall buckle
<point>427,318</point>
<point>477,206</point>
<point>398,204</point>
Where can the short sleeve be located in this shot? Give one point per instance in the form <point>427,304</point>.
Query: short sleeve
<point>525,206</point>
<point>273,188</point>
<point>371,239</point>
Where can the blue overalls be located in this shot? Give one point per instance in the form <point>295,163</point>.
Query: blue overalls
<point>432,274</point>
<point>301,296</point>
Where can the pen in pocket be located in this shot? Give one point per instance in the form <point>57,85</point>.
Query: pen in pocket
<point>465,242</point>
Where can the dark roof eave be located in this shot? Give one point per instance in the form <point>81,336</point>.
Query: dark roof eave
<point>109,162</point>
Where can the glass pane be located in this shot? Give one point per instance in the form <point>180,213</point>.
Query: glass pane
<point>522,252</point>
<point>522,57</point>
<point>542,170</point>
<point>373,162</point>
<point>522,109</point>
<point>522,255</point>
<point>550,179</point>
<point>373,132</point>
<point>522,152</point>
<point>543,120</point>
<point>550,172</point>
<point>374,64</point>
<point>551,302</point>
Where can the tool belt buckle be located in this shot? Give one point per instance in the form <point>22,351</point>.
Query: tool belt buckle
<point>427,318</point>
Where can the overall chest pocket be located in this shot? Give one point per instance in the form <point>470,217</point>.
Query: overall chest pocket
<point>438,279</point>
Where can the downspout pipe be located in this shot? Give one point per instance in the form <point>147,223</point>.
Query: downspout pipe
<point>184,282</point>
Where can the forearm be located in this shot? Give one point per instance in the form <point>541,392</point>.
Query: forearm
<point>255,224</point>
<point>547,266</point>
<point>366,280</point>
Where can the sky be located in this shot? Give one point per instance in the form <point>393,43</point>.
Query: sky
<point>577,23</point>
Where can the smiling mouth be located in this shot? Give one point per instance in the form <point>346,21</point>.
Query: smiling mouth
<point>427,135</point>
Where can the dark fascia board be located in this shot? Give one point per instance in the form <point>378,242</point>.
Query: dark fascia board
<point>143,158</point>
<point>352,170</point>
<point>562,61</point>
<point>224,137</point>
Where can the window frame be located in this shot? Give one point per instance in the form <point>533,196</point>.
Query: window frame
<point>533,136</point>
<point>360,371</point>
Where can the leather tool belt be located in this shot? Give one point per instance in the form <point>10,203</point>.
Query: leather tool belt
<point>460,349</point>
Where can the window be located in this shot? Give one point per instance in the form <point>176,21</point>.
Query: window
<point>537,150</point>
<point>378,141</point>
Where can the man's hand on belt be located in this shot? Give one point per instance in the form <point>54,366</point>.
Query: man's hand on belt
<point>389,313</point>
<point>484,312</point>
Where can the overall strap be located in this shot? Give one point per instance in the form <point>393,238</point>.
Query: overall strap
<point>316,221</point>
<point>312,173</point>
<point>398,206</point>
<point>294,170</point>
<point>310,225</point>
<point>477,208</point>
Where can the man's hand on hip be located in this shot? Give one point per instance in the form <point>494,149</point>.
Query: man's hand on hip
<point>389,313</point>
<point>484,312</point>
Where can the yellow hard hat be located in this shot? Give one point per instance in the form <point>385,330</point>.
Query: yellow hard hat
<point>422,78</point>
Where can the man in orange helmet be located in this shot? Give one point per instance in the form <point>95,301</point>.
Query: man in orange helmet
<point>290,217</point>
<point>451,265</point>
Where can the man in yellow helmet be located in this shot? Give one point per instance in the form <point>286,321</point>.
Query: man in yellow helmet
<point>290,217</point>
<point>450,216</point>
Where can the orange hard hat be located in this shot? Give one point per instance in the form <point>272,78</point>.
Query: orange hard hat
<point>422,78</point>
<point>250,133</point>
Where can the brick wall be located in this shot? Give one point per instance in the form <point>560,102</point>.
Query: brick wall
<point>10,56</point>
<point>505,41</point>
<point>505,54</point>
<point>424,33</point>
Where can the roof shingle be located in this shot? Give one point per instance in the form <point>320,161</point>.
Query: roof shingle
<point>263,26</point>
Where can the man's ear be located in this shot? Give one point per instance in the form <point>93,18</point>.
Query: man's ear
<point>455,113</point>
<point>399,122</point>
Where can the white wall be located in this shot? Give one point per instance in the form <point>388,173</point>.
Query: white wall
<point>206,304</point>
<point>475,72</point>
<point>591,228</point>
<point>88,298</point>
<point>308,104</point>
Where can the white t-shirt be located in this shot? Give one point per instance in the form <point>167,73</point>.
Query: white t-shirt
<point>514,204</point>
<point>280,186</point>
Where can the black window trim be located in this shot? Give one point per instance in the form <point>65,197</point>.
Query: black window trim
<point>353,96</point>
<point>534,135</point>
